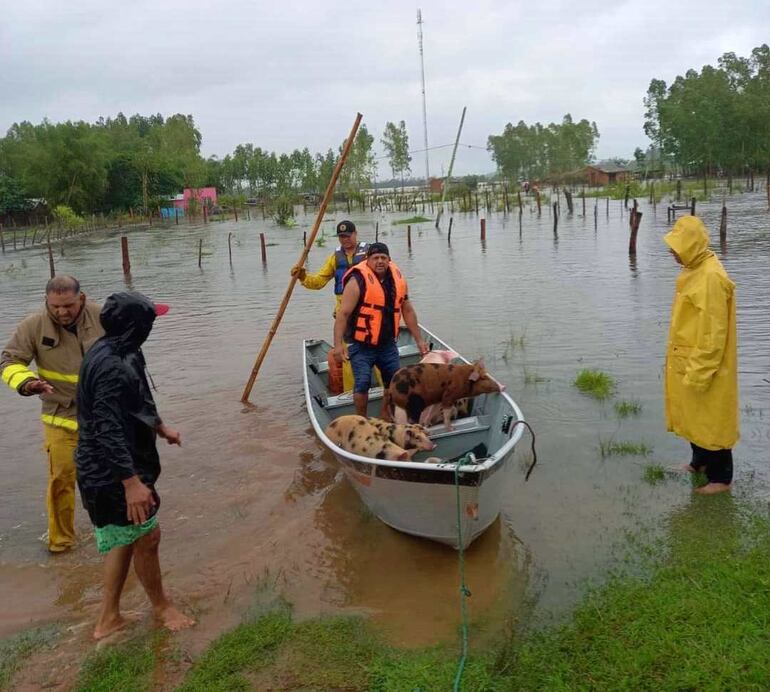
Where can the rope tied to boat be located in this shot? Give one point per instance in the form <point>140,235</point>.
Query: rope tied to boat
<point>470,459</point>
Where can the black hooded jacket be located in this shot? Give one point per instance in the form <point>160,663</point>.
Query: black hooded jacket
<point>117,417</point>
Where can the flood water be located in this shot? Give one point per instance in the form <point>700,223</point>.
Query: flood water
<point>253,502</point>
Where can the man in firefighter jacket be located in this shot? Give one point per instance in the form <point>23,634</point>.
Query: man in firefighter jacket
<point>349,252</point>
<point>374,299</point>
<point>56,338</point>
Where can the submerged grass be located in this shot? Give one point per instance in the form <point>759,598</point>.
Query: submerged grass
<point>595,383</point>
<point>412,219</point>
<point>15,649</point>
<point>654,474</point>
<point>625,409</point>
<point>608,448</point>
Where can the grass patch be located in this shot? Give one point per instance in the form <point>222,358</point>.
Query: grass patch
<point>16,648</point>
<point>626,409</point>
<point>127,667</point>
<point>654,474</point>
<point>595,383</point>
<point>609,448</point>
<point>699,623</point>
<point>246,649</point>
<point>412,219</point>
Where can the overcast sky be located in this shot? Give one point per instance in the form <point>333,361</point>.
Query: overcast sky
<point>289,74</point>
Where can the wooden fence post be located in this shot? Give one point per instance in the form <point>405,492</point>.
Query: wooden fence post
<point>124,253</point>
<point>263,247</point>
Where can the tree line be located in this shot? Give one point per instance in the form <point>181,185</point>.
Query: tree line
<point>538,152</point>
<point>716,120</point>
<point>139,162</point>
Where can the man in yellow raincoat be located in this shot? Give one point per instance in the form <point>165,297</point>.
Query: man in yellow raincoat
<point>701,383</point>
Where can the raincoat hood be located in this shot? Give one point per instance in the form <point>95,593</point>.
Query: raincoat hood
<point>127,319</point>
<point>690,240</point>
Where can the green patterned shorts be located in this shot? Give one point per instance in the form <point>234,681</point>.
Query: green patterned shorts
<point>112,535</point>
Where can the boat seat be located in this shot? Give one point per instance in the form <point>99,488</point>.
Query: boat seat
<point>346,398</point>
<point>460,427</point>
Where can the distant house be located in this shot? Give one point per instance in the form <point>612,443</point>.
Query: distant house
<point>606,173</point>
<point>204,195</point>
<point>436,185</point>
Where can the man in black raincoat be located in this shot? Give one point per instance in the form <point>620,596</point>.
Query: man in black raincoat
<point>117,460</point>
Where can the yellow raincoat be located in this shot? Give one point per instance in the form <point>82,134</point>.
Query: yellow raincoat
<point>701,379</point>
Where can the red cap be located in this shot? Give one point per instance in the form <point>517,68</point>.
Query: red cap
<point>161,308</point>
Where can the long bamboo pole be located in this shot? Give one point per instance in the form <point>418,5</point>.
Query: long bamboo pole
<point>302,259</point>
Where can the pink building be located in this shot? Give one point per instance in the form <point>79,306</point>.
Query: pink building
<point>204,195</point>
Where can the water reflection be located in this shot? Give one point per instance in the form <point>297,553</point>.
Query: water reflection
<point>411,585</point>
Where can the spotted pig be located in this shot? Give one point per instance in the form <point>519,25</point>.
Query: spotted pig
<point>356,434</point>
<point>408,436</point>
<point>416,387</point>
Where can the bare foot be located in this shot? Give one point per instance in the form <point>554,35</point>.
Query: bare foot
<point>109,626</point>
<point>173,619</point>
<point>685,468</point>
<point>104,628</point>
<point>713,488</point>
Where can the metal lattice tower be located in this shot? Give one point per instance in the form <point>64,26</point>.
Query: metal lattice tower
<point>424,107</point>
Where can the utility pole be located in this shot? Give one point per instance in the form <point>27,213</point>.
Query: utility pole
<point>424,107</point>
<point>451,166</point>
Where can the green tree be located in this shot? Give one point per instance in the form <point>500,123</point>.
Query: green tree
<point>12,198</point>
<point>396,143</point>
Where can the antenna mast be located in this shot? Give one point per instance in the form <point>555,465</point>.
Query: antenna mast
<point>424,108</point>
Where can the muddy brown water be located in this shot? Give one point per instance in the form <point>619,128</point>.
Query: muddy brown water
<point>253,502</point>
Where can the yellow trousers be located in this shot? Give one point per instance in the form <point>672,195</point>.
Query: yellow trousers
<point>60,501</point>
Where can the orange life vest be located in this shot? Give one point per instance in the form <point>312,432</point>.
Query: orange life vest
<point>367,320</point>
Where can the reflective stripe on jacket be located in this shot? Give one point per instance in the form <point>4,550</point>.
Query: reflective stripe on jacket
<point>342,264</point>
<point>367,320</point>
<point>57,353</point>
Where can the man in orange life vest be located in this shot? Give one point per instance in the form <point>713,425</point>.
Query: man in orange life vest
<point>374,298</point>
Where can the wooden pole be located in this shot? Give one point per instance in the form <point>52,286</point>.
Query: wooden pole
<point>124,254</point>
<point>449,235</point>
<point>409,237</point>
<point>555,217</point>
<point>723,225</point>
<point>692,206</point>
<point>302,260</point>
<point>2,240</point>
<point>176,215</point>
<point>377,231</point>
<point>230,247</point>
<point>636,218</point>
<point>263,247</point>
<point>537,197</point>
<point>200,252</point>
<point>483,230</point>
<point>50,260</point>
<point>235,211</point>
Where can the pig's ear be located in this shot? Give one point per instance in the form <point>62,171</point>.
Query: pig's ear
<point>474,376</point>
<point>480,364</point>
<point>404,456</point>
